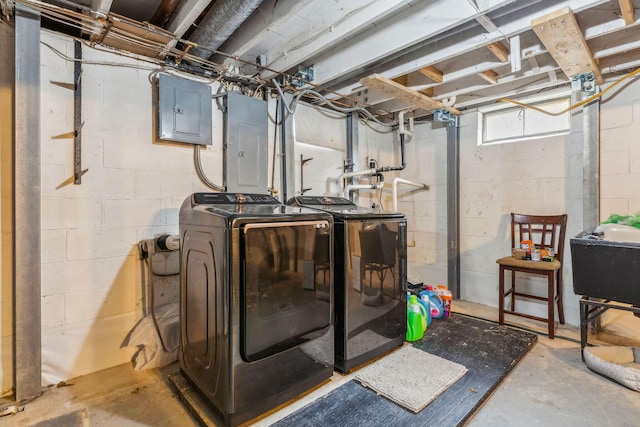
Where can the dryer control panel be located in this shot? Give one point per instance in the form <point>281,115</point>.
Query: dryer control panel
<point>321,201</point>
<point>234,198</point>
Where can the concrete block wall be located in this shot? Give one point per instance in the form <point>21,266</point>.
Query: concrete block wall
<point>91,272</point>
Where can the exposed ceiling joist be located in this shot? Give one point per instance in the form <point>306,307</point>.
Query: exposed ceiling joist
<point>184,16</point>
<point>100,8</point>
<point>326,28</point>
<point>490,76</point>
<point>432,72</point>
<point>466,41</point>
<point>403,30</point>
<point>561,35</point>
<point>266,22</point>
<point>626,8</point>
<point>499,50</point>
<point>402,93</point>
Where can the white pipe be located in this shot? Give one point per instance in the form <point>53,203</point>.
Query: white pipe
<point>397,181</point>
<point>349,188</point>
<point>346,175</point>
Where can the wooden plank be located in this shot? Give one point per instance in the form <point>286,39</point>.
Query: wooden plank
<point>490,76</point>
<point>626,8</point>
<point>400,92</point>
<point>562,37</point>
<point>430,92</point>
<point>499,50</point>
<point>401,80</point>
<point>432,72</point>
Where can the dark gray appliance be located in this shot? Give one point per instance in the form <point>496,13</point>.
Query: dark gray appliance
<point>370,277</point>
<point>256,325</point>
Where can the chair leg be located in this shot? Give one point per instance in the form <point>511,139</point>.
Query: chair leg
<point>513,290</point>
<point>501,296</point>
<point>559,293</point>
<point>550,304</point>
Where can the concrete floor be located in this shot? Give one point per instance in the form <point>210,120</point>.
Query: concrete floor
<point>550,387</point>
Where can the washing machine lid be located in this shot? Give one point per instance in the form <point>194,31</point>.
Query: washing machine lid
<point>254,206</point>
<point>341,207</point>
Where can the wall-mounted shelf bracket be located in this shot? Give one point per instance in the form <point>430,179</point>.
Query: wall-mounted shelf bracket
<point>76,134</point>
<point>303,162</point>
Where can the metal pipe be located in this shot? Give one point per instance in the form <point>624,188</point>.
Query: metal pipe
<point>346,175</point>
<point>219,23</point>
<point>354,187</point>
<point>26,205</point>
<point>394,189</point>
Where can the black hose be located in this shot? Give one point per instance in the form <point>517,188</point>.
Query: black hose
<point>402,159</point>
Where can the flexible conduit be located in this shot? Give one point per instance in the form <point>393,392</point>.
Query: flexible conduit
<point>203,178</point>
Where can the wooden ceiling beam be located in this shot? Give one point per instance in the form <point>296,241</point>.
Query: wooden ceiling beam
<point>490,76</point>
<point>405,94</point>
<point>561,35</point>
<point>499,50</point>
<point>626,8</point>
<point>432,72</point>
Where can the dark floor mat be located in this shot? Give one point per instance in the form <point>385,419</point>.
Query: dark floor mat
<point>489,351</point>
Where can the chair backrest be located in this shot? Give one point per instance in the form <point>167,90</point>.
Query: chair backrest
<point>545,231</point>
<point>378,246</point>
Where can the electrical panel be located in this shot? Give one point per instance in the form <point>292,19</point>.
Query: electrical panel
<point>184,110</point>
<point>245,144</point>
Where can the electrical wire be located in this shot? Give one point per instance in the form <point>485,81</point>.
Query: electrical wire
<point>577,104</point>
<point>290,109</point>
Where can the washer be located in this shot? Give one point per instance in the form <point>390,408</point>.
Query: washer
<point>370,277</point>
<point>257,327</point>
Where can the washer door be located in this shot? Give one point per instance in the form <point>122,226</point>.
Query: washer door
<point>286,285</point>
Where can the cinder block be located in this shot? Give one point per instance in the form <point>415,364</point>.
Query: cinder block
<point>618,162</point>
<point>100,243</point>
<point>61,213</point>
<point>103,183</point>
<point>133,213</point>
<point>53,245</point>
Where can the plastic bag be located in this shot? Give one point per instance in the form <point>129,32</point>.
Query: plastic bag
<point>632,220</point>
<point>151,353</point>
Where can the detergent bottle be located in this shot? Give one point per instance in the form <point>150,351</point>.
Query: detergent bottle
<point>447,298</point>
<point>426,303</point>
<point>435,302</point>
<point>416,319</point>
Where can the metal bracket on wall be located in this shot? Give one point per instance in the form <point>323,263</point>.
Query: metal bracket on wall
<point>303,162</point>
<point>585,82</point>
<point>76,134</point>
<point>444,116</point>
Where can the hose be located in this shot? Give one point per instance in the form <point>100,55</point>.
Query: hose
<point>200,171</point>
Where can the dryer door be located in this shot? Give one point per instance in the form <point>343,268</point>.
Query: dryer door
<point>286,285</point>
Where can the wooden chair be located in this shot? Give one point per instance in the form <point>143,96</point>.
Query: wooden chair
<point>545,232</point>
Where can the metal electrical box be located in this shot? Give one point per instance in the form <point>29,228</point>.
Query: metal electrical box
<point>184,110</point>
<point>245,143</point>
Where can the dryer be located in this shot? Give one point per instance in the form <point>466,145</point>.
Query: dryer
<point>256,312</point>
<point>370,279</point>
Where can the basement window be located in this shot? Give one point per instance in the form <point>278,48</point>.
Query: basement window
<point>511,123</point>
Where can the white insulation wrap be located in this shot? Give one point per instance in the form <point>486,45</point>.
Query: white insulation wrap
<point>320,127</point>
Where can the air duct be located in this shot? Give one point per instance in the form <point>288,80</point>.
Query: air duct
<point>219,23</point>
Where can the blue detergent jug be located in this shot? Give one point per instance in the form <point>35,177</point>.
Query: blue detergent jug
<point>426,303</point>
<point>416,319</point>
<point>435,301</point>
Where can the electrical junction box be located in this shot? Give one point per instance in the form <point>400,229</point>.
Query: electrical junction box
<point>184,110</point>
<point>245,144</point>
